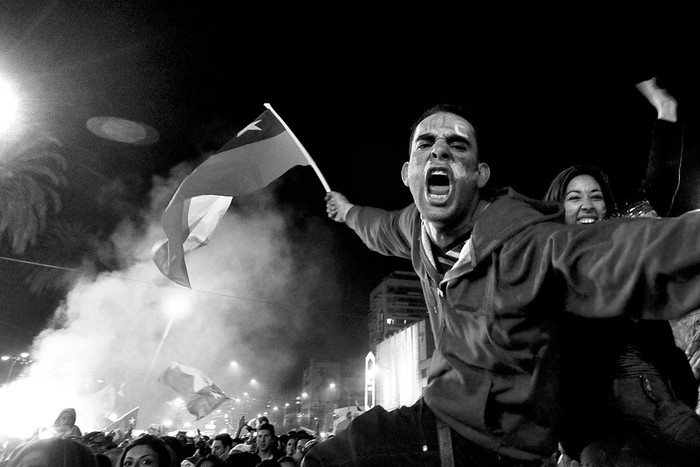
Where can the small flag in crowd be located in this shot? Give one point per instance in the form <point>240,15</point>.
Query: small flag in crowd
<point>201,395</point>
<point>125,423</point>
<point>259,154</point>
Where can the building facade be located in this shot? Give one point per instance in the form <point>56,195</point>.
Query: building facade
<point>395,304</point>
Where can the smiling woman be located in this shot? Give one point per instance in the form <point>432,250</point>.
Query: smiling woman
<point>636,378</point>
<point>585,192</point>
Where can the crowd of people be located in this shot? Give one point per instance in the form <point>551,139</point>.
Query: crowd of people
<point>259,446</point>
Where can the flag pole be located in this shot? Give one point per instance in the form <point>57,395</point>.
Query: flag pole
<point>303,150</point>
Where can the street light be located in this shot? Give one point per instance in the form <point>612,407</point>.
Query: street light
<point>332,386</point>
<point>22,359</point>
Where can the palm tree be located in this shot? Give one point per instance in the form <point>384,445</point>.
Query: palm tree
<point>66,250</point>
<point>31,171</point>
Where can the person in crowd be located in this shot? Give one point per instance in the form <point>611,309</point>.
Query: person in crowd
<point>282,443</point>
<point>65,426</point>
<point>211,460</point>
<point>241,456</point>
<point>290,446</point>
<point>287,461</point>
<point>148,450</point>
<point>174,444</point>
<point>98,442</point>
<point>54,452</point>
<point>221,445</point>
<point>498,270</point>
<point>268,463</point>
<point>182,437</point>
<point>302,438</point>
<point>114,455</point>
<point>634,379</point>
<point>102,460</point>
<point>189,461</point>
<point>266,442</point>
<point>202,448</point>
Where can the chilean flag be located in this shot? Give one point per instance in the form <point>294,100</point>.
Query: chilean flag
<point>259,154</point>
<point>201,395</point>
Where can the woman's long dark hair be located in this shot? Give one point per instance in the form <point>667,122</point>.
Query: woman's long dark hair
<point>557,189</point>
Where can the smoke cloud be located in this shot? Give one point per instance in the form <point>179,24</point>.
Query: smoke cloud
<point>262,290</point>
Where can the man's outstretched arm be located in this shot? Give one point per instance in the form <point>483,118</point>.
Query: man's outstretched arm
<point>386,232</point>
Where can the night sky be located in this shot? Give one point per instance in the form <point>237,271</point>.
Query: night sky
<point>349,85</point>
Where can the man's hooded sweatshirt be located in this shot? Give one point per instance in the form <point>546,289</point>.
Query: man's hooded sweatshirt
<point>494,375</point>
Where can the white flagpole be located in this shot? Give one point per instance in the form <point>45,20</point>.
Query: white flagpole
<point>304,151</point>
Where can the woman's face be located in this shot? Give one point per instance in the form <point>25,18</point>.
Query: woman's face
<point>291,446</point>
<point>583,201</point>
<point>139,455</point>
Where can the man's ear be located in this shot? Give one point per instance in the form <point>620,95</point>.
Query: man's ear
<point>404,173</point>
<point>484,174</point>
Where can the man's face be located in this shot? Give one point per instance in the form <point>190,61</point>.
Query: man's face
<point>443,172</point>
<point>264,440</point>
<point>218,448</point>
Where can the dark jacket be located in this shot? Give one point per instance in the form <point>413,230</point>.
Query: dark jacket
<point>495,316</point>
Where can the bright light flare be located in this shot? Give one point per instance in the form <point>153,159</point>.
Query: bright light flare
<point>9,105</point>
<point>177,305</point>
<point>177,403</point>
<point>25,407</point>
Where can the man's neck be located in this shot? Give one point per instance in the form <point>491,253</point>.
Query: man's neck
<point>444,235</point>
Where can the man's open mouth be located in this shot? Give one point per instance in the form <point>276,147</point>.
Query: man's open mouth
<point>437,185</point>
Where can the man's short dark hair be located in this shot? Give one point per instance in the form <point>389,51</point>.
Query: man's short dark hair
<point>466,113</point>
<point>269,427</point>
<point>225,439</point>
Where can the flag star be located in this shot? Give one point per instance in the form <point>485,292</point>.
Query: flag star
<point>252,126</point>
<point>132,420</point>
